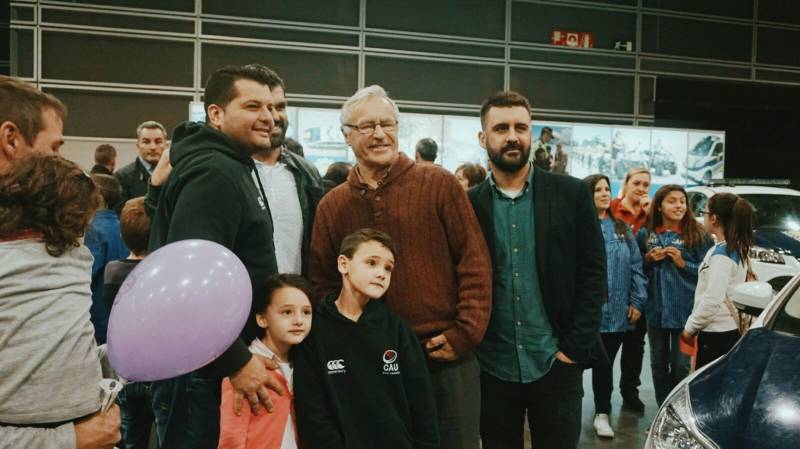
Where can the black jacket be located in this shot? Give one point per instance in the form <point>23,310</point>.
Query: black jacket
<point>100,170</point>
<point>134,179</point>
<point>309,191</point>
<point>570,258</point>
<point>363,385</point>
<point>211,194</point>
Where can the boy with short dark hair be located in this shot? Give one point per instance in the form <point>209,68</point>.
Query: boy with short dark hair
<point>361,376</point>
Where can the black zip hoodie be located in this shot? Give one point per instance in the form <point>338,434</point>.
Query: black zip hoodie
<point>211,194</point>
<point>364,384</point>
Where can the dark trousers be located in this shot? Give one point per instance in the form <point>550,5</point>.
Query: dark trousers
<point>713,345</point>
<point>136,412</point>
<point>668,363</point>
<point>185,410</point>
<point>631,360</point>
<point>457,390</point>
<point>553,404</point>
<point>603,374</point>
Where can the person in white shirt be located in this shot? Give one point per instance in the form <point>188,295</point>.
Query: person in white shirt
<point>730,219</point>
<point>292,185</point>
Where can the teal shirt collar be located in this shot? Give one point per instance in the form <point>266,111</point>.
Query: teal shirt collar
<point>528,183</point>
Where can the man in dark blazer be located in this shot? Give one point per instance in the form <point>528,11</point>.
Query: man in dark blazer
<point>151,141</point>
<point>549,285</point>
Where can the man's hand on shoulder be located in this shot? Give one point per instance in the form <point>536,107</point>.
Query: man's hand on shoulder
<point>251,383</point>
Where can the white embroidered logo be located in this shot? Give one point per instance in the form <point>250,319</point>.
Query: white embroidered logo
<point>389,362</point>
<point>336,366</point>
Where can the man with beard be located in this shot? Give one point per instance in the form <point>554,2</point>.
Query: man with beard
<point>290,182</point>
<point>549,284</point>
<point>441,281</point>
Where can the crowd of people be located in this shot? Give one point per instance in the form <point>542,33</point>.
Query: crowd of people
<point>394,304</point>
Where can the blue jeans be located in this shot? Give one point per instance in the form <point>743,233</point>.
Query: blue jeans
<point>668,363</point>
<point>185,410</point>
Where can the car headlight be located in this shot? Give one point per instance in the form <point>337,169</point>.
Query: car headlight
<point>675,426</point>
<point>767,255</point>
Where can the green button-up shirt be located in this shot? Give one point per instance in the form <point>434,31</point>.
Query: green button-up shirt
<point>519,345</point>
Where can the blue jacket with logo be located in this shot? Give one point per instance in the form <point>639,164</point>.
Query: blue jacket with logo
<point>670,290</point>
<point>626,280</point>
<point>363,384</point>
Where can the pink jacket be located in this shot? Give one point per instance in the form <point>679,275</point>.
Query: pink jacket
<point>248,431</point>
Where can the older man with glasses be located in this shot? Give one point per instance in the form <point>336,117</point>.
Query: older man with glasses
<point>441,283</point>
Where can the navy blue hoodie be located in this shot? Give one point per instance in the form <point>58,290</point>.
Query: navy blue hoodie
<point>363,384</point>
<point>211,194</point>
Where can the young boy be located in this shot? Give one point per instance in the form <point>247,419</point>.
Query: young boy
<point>284,316</point>
<point>361,376</point>
<point>103,240</point>
<point>135,399</point>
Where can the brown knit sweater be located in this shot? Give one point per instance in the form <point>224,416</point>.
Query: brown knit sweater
<point>442,280</point>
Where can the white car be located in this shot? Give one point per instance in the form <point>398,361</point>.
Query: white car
<point>777,235</point>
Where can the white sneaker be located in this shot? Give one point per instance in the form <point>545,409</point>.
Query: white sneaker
<point>602,427</point>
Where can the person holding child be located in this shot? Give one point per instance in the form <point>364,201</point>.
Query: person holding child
<point>49,363</point>
<point>362,377</point>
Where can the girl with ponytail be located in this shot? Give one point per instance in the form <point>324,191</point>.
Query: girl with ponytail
<point>730,219</point>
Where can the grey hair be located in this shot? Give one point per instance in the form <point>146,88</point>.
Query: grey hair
<point>151,124</point>
<point>361,97</point>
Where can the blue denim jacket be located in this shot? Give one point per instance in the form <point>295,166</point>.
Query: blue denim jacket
<point>670,290</point>
<point>626,280</point>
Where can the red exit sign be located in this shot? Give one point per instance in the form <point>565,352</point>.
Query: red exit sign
<point>572,39</point>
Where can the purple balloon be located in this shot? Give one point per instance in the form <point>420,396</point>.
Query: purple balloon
<point>179,309</point>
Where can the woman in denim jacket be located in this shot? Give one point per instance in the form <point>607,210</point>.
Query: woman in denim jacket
<point>626,296</point>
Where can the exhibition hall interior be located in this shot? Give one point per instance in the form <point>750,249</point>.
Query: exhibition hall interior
<point>697,97</point>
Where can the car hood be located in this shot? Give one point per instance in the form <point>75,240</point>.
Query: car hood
<point>779,240</point>
<point>750,398</point>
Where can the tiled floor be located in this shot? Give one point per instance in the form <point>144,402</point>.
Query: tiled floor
<point>630,428</point>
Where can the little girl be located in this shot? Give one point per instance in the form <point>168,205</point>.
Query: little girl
<point>284,314</point>
<point>673,244</point>
<point>730,220</point>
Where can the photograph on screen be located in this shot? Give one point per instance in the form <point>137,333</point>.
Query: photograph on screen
<point>460,142</point>
<point>666,156</point>
<point>706,157</point>
<point>591,150</point>
<point>414,127</point>
<point>320,134</point>
<point>558,148</point>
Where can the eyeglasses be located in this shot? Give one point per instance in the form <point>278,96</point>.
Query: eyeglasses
<point>368,129</point>
<point>702,212</point>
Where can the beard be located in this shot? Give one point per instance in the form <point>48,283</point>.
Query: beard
<point>509,164</point>
<point>279,139</point>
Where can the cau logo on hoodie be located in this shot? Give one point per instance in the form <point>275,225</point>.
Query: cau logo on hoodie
<point>390,365</point>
